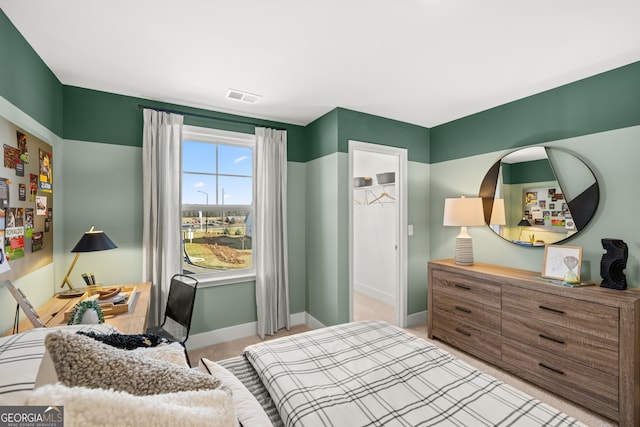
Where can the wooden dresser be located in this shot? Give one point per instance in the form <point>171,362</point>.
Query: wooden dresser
<point>580,343</point>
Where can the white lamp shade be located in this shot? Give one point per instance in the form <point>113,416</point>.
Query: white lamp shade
<point>463,212</point>
<point>498,216</point>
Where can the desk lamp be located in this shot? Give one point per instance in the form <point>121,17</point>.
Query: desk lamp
<point>523,223</point>
<point>91,241</point>
<point>463,212</point>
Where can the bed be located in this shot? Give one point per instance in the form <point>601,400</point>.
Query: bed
<point>356,374</point>
<point>374,374</point>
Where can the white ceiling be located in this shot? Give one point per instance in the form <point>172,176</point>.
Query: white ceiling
<point>425,62</point>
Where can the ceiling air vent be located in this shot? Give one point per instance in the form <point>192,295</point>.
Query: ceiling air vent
<point>239,95</point>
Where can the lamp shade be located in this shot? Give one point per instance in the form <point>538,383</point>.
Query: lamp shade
<point>463,212</point>
<point>498,216</point>
<point>93,241</point>
<point>524,223</point>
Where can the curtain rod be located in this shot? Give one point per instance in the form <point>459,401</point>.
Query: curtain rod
<point>202,116</point>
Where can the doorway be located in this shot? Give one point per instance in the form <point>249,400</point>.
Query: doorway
<point>377,233</point>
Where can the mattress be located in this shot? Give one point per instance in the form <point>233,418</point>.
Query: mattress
<point>374,374</point>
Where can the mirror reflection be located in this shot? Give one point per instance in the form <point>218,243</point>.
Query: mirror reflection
<point>539,195</point>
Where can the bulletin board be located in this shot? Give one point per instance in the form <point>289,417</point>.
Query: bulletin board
<point>547,207</point>
<point>26,202</point>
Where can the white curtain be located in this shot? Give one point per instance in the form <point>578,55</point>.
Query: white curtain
<point>161,240</point>
<point>272,284</point>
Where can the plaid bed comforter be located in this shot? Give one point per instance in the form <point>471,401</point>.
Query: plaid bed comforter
<point>374,374</point>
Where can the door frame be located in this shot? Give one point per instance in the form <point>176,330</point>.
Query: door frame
<point>402,228</point>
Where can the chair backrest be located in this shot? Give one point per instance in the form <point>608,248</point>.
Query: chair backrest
<point>182,296</point>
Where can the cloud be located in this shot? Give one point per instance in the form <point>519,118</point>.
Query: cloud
<point>240,159</point>
<point>227,196</point>
<point>198,184</point>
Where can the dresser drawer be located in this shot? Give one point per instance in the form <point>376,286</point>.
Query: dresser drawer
<point>467,336</point>
<point>455,285</point>
<point>584,316</point>
<point>589,350</point>
<point>591,387</point>
<point>468,311</point>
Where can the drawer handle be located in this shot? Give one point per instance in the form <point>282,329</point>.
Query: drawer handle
<point>466,288</point>
<point>552,369</point>
<point>559,341</point>
<point>554,310</point>
<point>463,332</point>
<point>462,309</point>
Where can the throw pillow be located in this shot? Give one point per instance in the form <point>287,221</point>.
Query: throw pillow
<point>82,361</point>
<point>128,341</point>
<point>20,357</point>
<point>173,353</point>
<point>249,411</point>
<point>96,407</point>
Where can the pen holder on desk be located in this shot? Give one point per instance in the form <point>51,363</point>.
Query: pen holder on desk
<point>93,289</point>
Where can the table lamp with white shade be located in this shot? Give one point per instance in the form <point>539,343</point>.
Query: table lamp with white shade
<point>498,216</point>
<point>463,212</point>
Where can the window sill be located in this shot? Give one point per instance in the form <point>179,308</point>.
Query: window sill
<point>208,280</point>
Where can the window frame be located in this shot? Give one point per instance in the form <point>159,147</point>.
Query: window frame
<point>222,137</point>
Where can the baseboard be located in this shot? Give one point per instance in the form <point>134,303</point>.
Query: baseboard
<point>238,331</point>
<point>312,322</point>
<point>417,318</point>
<point>249,329</point>
<point>375,293</point>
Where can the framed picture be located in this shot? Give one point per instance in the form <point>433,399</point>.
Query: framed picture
<point>531,198</point>
<point>562,262</point>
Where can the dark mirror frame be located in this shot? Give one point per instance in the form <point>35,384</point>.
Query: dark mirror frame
<point>582,207</point>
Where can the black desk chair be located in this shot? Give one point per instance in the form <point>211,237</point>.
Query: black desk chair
<point>182,296</point>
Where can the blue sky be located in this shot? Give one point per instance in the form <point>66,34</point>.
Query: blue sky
<point>200,157</point>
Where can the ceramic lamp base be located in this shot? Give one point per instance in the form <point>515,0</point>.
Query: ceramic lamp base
<point>464,250</point>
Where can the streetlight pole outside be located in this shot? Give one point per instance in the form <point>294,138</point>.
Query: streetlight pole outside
<point>206,214</point>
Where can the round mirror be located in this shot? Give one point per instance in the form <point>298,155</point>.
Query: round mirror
<point>539,195</point>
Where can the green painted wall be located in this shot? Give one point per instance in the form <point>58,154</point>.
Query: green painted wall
<point>322,135</point>
<point>595,118</point>
<point>603,102</point>
<point>613,155</point>
<point>328,210</point>
<point>419,195</point>
<point>321,222</point>
<point>89,115</point>
<point>224,306</point>
<point>115,206</point>
<point>31,98</point>
<point>25,80</point>
<point>380,130</point>
<point>103,187</point>
<point>296,225</point>
<point>353,125</point>
<point>534,171</point>
<point>322,233</point>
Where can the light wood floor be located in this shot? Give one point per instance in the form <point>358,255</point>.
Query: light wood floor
<point>368,308</point>
<point>371,309</point>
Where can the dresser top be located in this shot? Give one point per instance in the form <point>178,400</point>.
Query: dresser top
<point>531,280</point>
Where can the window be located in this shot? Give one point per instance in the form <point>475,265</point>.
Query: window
<point>217,203</point>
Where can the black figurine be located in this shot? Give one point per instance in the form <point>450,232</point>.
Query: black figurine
<point>613,263</point>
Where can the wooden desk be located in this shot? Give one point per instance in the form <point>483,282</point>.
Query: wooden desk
<point>133,322</point>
